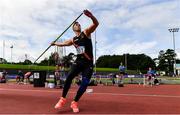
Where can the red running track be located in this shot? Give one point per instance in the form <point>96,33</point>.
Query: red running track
<point>131,99</point>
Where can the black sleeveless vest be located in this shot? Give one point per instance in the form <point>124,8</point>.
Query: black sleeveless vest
<point>83,46</point>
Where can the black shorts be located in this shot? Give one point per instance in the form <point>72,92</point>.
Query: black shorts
<point>86,67</point>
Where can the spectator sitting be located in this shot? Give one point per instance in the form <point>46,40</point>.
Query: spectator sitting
<point>2,78</point>
<point>156,81</point>
<point>17,79</point>
<point>20,76</point>
<point>150,76</point>
<point>27,77</point>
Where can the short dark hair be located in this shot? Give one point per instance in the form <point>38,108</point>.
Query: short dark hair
<point>74,24</point>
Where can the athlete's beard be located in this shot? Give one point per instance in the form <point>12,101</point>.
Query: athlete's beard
<point>78,30</point>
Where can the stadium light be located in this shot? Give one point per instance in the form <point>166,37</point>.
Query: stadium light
<point>11,53</point>
<point>174,30</point>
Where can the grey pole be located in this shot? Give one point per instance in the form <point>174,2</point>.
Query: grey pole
<point>95,51</point>
<point>11,53</point>
<point>174,44</point>
<point>3,50</point>
<point>126,60</point>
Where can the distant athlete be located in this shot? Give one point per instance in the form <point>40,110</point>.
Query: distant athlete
<point>83,63</point>
<point>150,76</point>
<point>120,78</point>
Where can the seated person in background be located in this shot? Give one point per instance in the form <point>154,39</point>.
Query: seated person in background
<point>156,81</point>
<point>27,76</point>
<point>2,78</point>
<point>20,76</point>
<point>17,79</point>
<point>4,74</point>
<point>150,76</point>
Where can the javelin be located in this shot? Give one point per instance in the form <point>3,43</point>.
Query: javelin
<point>59,36</point>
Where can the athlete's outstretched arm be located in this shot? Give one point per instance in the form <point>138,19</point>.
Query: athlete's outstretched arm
<point>92,27</point>
<point>65,43</point>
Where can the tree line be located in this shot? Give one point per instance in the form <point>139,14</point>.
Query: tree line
<point>139,62</point>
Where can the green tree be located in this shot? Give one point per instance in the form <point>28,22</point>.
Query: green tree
<point>110,61</point>
<point>54,60</point>
<point>166,60</point>
<point>68,60</point>
<point>134,61</point>
<point>27,62</point>
<point>44,62</point>
<point>178,61</point>
<point>140,62</point>
<point>2,60</point>
<point>51,61</point>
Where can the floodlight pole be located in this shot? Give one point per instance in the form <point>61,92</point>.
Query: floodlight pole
<point>3,51</point>
<point>126,60</point>
<point>11,53</point>
<point>95,51</point>
<point>174,30</point>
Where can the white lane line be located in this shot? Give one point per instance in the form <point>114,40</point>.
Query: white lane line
<point>112,94</point>
<point>138,95</point>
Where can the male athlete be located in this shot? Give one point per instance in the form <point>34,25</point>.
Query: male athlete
<point>83,63</point>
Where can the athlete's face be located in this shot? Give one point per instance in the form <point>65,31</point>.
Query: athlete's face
<point>77,27</point>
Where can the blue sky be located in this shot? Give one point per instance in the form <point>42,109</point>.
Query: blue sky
<point>126,26</point>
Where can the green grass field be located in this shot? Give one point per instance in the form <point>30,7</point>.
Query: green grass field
<point>26,67</point>
<point>35,67</point>
<point>52,68</point>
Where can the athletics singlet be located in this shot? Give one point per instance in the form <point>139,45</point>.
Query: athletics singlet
<point>83,47</point>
